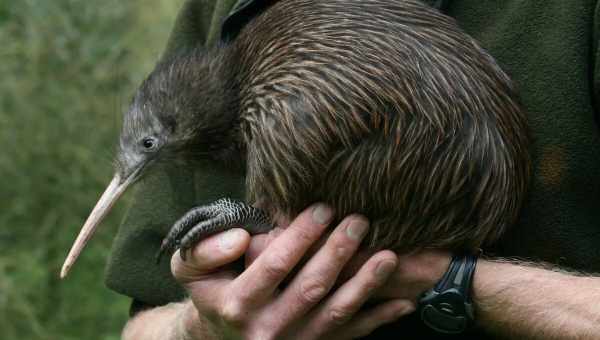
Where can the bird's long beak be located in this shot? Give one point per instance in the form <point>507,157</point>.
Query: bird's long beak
<point>110,196</point>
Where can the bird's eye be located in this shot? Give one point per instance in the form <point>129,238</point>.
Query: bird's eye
<point>149,143</point>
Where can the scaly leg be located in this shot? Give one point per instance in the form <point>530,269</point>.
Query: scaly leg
<point>203,221</point>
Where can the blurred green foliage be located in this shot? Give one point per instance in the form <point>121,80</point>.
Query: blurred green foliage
<point>67,71</point>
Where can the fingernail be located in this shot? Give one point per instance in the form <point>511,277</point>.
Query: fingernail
<point>357,229</point>
<point>401,309</point>
<point>407,308</point>
<point>322,214</point>
<point>229,239</point>
<point>384,269</point>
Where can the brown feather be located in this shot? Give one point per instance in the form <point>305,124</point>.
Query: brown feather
<point>379,107</point>
<point>384,108</point>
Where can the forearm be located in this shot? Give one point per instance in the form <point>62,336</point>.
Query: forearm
<point>175,321</point>
<point>524,302</point>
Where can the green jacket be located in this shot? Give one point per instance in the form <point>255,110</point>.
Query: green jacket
<point>548,47</point>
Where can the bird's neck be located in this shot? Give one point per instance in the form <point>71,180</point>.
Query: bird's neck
<point>226,73</point>
<point>223,77</point>
<point>226,76</point>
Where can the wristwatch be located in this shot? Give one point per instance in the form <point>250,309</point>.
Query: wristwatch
<point>447,307</point>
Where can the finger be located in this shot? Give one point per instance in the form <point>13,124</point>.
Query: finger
<point>351,296</point>
<point>260,280</point>
<point>318,275</point>
<point>365,322</point>
<point>209,255</point>
<point>355,263</point>
<point>259,243</point>
<point>415,274</point>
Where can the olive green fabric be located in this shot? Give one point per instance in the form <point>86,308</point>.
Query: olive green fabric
<point>550,50</point>
<point>198,23</point>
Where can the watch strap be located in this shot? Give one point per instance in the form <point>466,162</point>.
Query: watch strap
<point>447,307</point>
<point>459,275</point>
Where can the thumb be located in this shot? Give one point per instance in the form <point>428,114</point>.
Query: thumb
<point>209,255</point>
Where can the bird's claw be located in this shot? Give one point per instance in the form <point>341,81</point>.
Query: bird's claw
<point>206,220</point>
<point>165,247</point>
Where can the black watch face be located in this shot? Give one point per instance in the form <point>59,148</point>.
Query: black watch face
<point>446,312</point>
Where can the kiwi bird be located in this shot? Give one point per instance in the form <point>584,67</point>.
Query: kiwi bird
<point>379,107</point>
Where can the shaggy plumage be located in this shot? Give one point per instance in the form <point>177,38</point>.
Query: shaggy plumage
<point>379,107</point>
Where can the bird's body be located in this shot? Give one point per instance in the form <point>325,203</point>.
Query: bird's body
<point>379,107</point>
<point>385,108</point>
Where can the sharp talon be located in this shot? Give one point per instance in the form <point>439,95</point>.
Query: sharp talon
<point>203,221</point>
<point>182,253</point>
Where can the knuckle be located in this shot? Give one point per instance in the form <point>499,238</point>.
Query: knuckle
<point>233,312</point>
<point>339,315</point>
<point>305,235</point>
<point>245,298</point>
<point>306,231</point>
<point>369,285</point>
<point>311,291</point>
<point>340,247</point>
<point>275,267</point>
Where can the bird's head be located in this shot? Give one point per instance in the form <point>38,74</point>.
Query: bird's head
<point>185,109</point>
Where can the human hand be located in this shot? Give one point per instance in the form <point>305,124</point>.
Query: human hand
<point>253,305</point>
<point>415,273</point>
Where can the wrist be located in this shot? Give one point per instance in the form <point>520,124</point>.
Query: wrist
<point>447,308</point>
<point>437,264</point>
<point>191,325</point>
<point>493,283</point>
<point>427,268</point>
<point>415,274</point>
<point>490,277</point>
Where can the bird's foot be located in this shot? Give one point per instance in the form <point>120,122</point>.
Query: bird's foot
<point>206,220</point>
